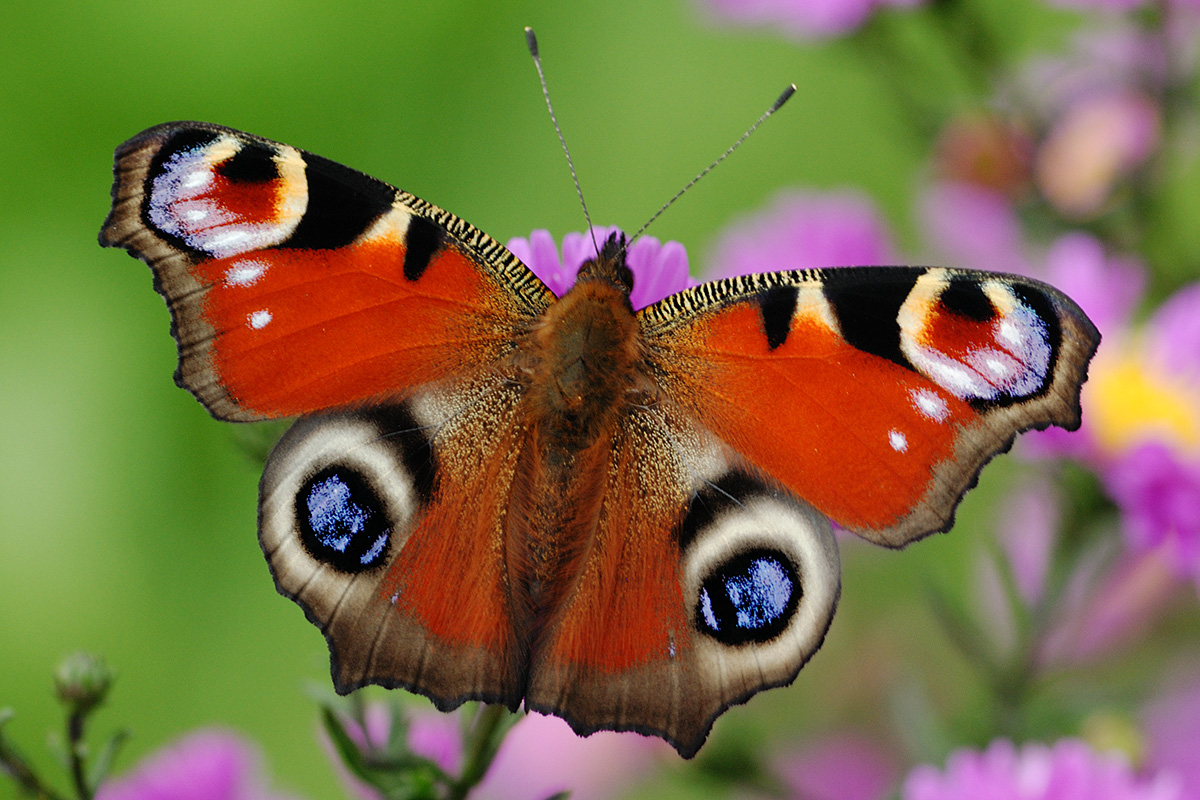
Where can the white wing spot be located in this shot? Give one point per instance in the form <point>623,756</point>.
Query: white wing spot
<point>196,178</point>
<point>244,273</point>
<point>930,404</point>
<point>229,242</point>
<point>259,319</point>
<point>898,441</point>
<point>1010,333</point>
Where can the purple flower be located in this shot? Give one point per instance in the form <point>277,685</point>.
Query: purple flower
<point>206,765</point>
<point>1092,144</point>
<point>1160,495</point>
<point>1066,770</point>
<point>803,19</point>
<point>1142,429</point>
<point>1108,288</point>
<point>539,757</point>
<point>658,269</point>
<point>542,756</point>
<point>1096,111</point>
<point>973,226</point>
<point>805,230</point>
<point>1119,5</point>
<point>840,767</point>
<point>1171,721</point>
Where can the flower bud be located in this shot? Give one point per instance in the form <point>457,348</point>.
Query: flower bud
<point>82,681</point>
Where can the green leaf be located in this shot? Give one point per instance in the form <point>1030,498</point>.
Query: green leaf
<point>98,773</point>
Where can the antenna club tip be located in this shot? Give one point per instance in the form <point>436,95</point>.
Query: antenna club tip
<point>784,97</point>
<point>531,41</point>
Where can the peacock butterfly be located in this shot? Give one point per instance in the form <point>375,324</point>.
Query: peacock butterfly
<point>615,516</point>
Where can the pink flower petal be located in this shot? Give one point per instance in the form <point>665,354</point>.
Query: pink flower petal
<point>802,19</point>
<point>658,269</point>
<point>1172,725</point>
<point>1066,770</point>
<point>205,765</point>
<point>843,767</point>
<point>542,756</point>
<point>973,227</point>
<point>802,230</point>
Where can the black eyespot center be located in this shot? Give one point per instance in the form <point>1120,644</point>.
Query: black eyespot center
<point>342,521</point>
<point>966,298</point>
<point>252,163</point>
<point>749,598</point>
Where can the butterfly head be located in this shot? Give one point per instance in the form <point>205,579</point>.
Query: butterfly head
<point>609,266</point>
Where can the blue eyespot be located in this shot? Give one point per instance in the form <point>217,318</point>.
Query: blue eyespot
<point>341,520</point>
<point>748,598</point>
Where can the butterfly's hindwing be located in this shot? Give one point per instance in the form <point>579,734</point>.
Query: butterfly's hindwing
<point>354,513</point>
<point>703,586</point>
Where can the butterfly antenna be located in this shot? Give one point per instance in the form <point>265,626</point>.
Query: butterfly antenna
<point>783,98</point>
<point>531,41</point>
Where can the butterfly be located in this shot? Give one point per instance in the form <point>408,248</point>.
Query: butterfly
<point>619,517</point>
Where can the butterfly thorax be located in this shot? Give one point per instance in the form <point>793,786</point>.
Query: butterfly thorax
<point>584,355</point>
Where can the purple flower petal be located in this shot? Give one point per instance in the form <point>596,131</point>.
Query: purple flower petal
<point>974,227</point>
<point>658,269</point>
<point>542,756</point>
<point>438,737</point>
<point>844,767</point>
<point>1159,495</point>
<point>1172,725</point>
<point>802,19</point>
<point>1067,770</point>
<point>1107,288</point>
<point>206,765</point>
<point>805,231</point>
<point>1173,335</point>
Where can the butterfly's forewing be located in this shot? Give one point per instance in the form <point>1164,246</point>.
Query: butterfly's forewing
<point>876,394</point>
<point>296,284</point>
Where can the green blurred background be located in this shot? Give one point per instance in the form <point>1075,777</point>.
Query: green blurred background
<point>127,515</point>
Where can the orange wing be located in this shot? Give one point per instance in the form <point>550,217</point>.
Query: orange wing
<point>702,584</point>
<point>386,525</point>
<point>296,284</point>
<point>876,394</point>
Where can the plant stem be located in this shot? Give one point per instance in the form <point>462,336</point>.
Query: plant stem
<point>75,724</point>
